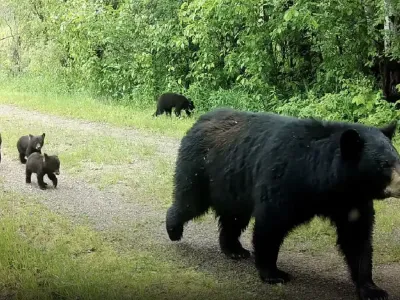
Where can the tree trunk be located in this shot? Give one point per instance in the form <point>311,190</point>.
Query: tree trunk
<point>391,68</point>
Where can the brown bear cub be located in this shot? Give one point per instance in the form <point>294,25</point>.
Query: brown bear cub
<point>28,144</point>
<point>42,165</point>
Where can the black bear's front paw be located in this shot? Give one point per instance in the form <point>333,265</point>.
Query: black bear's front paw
<point>372,292</point>
<point>274,276</point>
<point>175,233</point>
<point>237,253</point>
<point>173,225</point>
<point>43,187</point>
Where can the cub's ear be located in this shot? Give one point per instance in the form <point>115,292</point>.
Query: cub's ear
<point>351,144</point>
<point>389,130</point>
<point>43,135</point>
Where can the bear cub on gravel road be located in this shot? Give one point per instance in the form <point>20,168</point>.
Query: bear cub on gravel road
<point>42,165</point>
<point>284,171</point>
<point>28,144</point>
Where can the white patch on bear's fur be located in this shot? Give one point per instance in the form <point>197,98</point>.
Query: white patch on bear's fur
<point>354,215</point>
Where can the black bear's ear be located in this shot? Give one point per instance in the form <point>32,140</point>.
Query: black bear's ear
<point>389,130</point>
<point>351,144</point>
<point>43,135</point>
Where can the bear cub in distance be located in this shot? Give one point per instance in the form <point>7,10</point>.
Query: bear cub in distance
<point>28,144</point>
<point>169,100</point>
<point>43,165</point>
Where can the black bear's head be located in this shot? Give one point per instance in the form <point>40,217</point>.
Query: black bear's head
<point>191,104</point>
<point>37,141</point>
<point>52,163</point>
<point>374,163</point>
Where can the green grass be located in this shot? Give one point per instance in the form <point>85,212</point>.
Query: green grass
<point>44,256</point>
<point>87,108</point>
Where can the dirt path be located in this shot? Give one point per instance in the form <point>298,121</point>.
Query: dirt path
<point>139,225</point>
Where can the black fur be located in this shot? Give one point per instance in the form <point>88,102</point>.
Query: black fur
<point>43,165</point>
<point>283,171</point>
<point>28,144</point>
<point>169,100</point>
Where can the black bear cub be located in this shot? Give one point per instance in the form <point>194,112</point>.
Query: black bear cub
<point>28,144</point>
<point>284,171</point>
<point>169,100</point>
<point>43,165</point>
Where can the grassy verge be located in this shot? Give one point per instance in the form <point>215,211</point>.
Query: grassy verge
<point>87,108</point>
<point>44,256</point>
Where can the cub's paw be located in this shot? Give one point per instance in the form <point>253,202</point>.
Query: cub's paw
<point>372,292</point>
<point>274,276</point>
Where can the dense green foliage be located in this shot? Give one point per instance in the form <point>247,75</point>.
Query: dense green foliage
<point>307,58</point>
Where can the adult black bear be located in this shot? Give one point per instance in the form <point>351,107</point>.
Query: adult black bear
<point>169,100</point>
<point>285,171</point>
<point>42,165</point>
<point>28,144</point>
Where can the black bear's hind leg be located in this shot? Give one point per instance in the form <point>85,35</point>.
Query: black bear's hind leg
<point>271,227</point>
<point>28,175</point>
<point>230,230</point>
<point>355,242</point>
<point>22,158</point>
<point>179,214</point>
<point>190,201</point>
<point>41,183</point>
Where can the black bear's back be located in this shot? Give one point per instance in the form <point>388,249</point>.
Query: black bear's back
<point>169,100</point>
<point>34,162</point>
<point>242,152</point>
